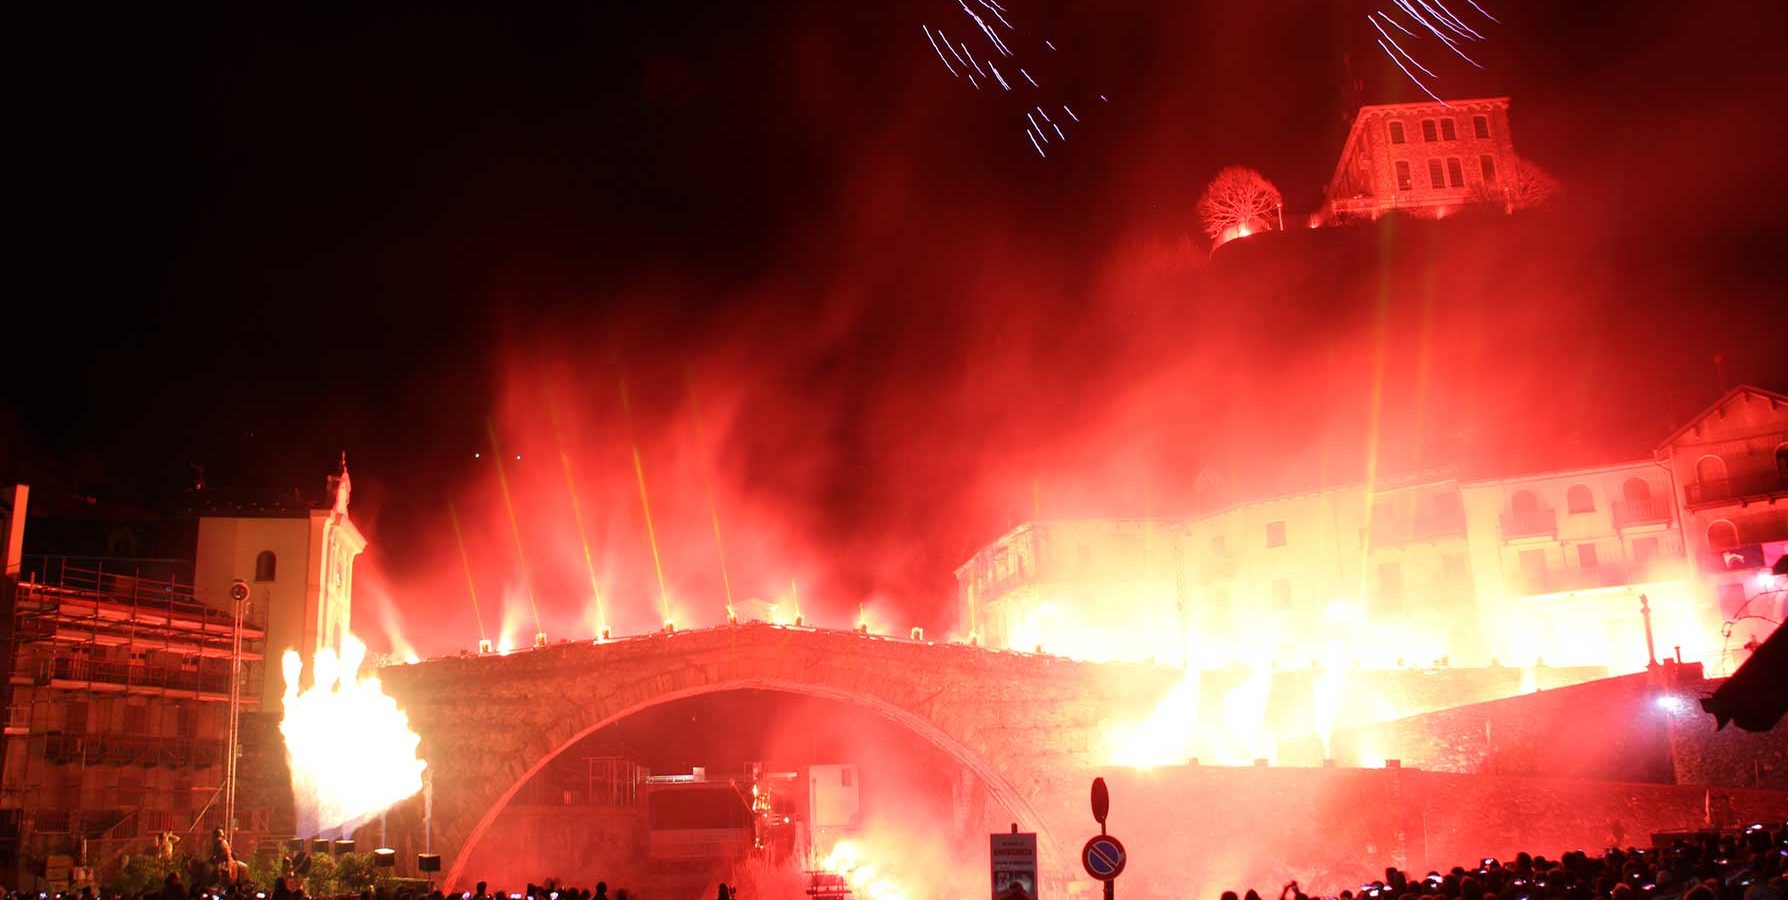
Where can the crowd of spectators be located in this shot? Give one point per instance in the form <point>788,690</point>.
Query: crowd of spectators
<point>1746,864</point>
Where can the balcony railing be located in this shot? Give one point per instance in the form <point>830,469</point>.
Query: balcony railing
<point>1650,511</point>
<point>131,676</point>
<point>1574,578</point>
<point>138,750</point>
<point>1740,487</point>
<point>1520,523</point>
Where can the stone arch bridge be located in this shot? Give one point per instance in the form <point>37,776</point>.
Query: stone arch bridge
<point>1024,728</point>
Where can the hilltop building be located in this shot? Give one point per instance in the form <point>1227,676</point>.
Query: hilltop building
<point>1427,159</point>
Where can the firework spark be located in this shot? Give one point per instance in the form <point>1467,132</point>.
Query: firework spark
<point>1438,22</point>
<point>1006,40</point>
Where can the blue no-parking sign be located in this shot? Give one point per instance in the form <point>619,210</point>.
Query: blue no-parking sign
<point>1103,857</point>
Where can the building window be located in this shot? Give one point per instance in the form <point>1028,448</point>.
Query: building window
<point>1644,551</point>
<point>1487,163</point>
<point>1481,125</point>
<point>1533,570</point>
<point>1586,556</point>
<point>1276,534</point>
<point>1436,177</point>
<point>1524,502</point>
<point>1455,172</point>
<point>1731,598</point>
<point>1448,130</point>
<point>1282,594</point>
<point>1782,464</point>
<point>1722,535</point>
<point>1710,469</point>
<point>1579,500</point>
<point>1404,182</point>
<point>1396,132</point>
<point>1428,134</point>
<point>266,566</point>
<point>1636,490</point>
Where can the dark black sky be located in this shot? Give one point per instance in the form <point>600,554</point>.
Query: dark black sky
<point>253,237</point>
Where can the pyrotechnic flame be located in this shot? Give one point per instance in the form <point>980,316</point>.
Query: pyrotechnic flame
<point>350,748</point>
<point>866,879</point>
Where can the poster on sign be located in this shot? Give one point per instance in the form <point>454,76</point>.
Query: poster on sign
<point>1014,859</point>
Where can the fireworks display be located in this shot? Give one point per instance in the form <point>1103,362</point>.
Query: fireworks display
<point>998,41</point>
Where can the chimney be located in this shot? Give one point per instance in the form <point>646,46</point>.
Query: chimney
<point>15,529</point>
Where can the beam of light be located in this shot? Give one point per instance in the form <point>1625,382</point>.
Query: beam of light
<point>1399,47</point>
<point>645,505</point>
<point>521,554</point>
<point>350,747</point>
<point>939,51</point>
<point>466,563</point>
<point>996,74</point>
<point>1027,77</point>
<point>1070,112</point>
<point>794,594</point>
<point>1033,137</point>
<point>986,29</point>
<point>577,513</point>
<point>695,415</point>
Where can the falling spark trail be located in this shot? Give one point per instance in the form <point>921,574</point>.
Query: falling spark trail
<point>1483,12</point>
<point>465,562</point>
<point>1412,77</point>
<point>645,505</point>
<point>695,414</point>
<point>1027,133</point>
<point>521,554</point>
<point>986,29</point>
<point>1399,47</point>
<point>952,49</point>
<point>996,74</point>
<point>1104,98</point>
<point>972,81</point>
<point>1447,18</point>
<point>1058,131</point>
<point>577,513</point>
<point>972,61</point>
<point>1445,38</point>
<point>940,52</point>
<point>1039,128</point>
<point>1027,77</point>
<point>1045,115</point>
<point>996,14</point>
<point>1399,25</point>
<point>1070,112</point>
<point>1049,45</point>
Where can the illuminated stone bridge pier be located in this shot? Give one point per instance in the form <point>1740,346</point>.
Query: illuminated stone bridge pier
<point>1025,729</point>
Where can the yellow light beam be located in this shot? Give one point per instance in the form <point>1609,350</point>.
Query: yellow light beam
<point>645,505</point>
<point>466,563</point>
<point>695,411</point>
<point>577,513</point>
<point>521,554</point>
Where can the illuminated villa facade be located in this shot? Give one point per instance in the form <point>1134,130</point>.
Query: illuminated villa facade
<point>1426,159</point>
<point>1539,568</point>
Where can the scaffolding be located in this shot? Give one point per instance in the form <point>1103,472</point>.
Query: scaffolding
<point>122,692</point>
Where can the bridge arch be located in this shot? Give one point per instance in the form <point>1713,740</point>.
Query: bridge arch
<point>999,788</point>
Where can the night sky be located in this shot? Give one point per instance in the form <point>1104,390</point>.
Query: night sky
<point>255,237</point>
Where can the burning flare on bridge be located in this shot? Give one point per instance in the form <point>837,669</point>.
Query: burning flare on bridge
<point>351,750</point>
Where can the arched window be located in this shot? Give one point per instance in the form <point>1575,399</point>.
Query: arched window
<point>1722,535</point>
<point>1637,490</point>
<point>1782,465</point>
<point>1578,499</point>
<point>1710,469</point>
<point>1396,132</point>
<point>1524,502</point>
<point>266,566</point>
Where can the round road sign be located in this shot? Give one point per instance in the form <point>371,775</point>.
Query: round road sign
<point>1103,857</point>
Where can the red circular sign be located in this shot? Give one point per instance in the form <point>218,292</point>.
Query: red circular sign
<point>1103,857</point>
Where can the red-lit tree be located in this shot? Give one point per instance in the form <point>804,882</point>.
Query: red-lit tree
<point>1534,186</point>
<point>1238,201</point>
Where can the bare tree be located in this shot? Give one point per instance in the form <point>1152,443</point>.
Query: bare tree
<point>1534,186</point>
<point>1237,201</point>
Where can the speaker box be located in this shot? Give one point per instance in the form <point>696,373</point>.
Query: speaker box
<point>428,862</point>
<point>385,858</point>
<point>344,846</point>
